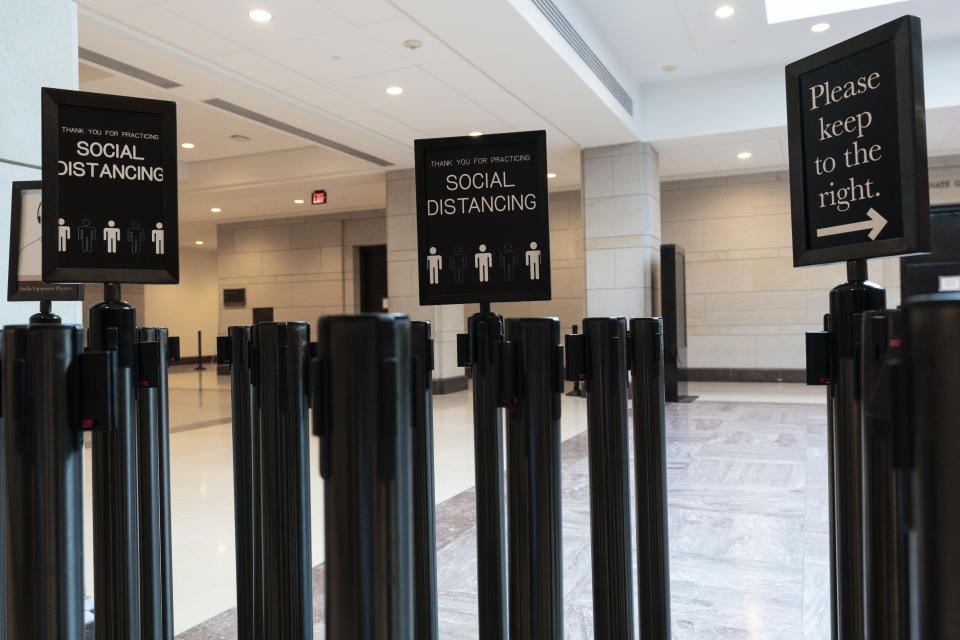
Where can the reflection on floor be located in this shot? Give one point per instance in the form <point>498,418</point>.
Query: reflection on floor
<point>748,512</point>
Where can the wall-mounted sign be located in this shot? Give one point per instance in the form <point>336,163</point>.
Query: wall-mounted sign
<point>319,197</point>
<point>482,218</point>
<point>858,149</point>
<point>109,188</point>
<point>25,276</point>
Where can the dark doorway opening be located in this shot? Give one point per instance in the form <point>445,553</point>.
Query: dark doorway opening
<point>373,278</point>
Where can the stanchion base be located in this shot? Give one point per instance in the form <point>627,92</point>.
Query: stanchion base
<point>683,399</point>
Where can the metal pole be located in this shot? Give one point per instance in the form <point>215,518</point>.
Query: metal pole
<point>116,537</point>
<point>282,349</point>
<point>576,391</point>
<point>932,346</point>
<point>43,469</point>
<point>650,469</point>
<point>606,388</point>
<point>486,335</point>
<point>847,302</point>
<point>362,413</point>
<point>885,612</point>
<point>199,366</point>
<point>424,528</point>
<point>533,481</point>
<point>154,471</point>
<point>245,492</point>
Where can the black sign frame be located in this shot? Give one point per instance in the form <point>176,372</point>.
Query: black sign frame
<point>421,147</point>
<point>904,33</point>
<point>166,111</point>
<point>21,290</point>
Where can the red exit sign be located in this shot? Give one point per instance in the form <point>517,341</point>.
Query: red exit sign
<point>319,197</point>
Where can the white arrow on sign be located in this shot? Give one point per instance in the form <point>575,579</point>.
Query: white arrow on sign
<point>875,223</point>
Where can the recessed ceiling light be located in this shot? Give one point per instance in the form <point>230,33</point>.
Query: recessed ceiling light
<point>743,155</point>
<point>412,44</point>
<point>725,11</point>
<point>187,145</point>
<point>670,68</point>
<point>394,91</point>
<point>820,27</point>
<point>260,15</point>
<point>474,134</point>
<point>199,243</point>
<point>298,201</point>
<point>239,137</point>
<point>216,210</point>
<point>551,175</point>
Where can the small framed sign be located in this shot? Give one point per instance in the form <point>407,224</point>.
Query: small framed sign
<point>483,225</point>
<point>25,275</point>
<point>858,148</point>
<point>109,172</point>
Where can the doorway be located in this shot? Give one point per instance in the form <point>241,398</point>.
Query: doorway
<point>373,278</point>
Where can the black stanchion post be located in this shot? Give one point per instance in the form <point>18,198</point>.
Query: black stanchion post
<point>246,492</point>
<point>282,351</point>
<point>116,537</point>
<point>847,302</point>
<point>599,357</point>
<point>576,391</point>
<point>483,341</point>
<point>932,352</point>
<point>199,366</point>
<point>424,528</point>
<point>884,483</point>
<point>153,453</point>
<point>650,469</point>
<point>361,385</point>
<point>535,357</point>
<point>43,468</point>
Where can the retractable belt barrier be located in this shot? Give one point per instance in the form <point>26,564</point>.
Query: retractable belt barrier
<point>424,527</point>
<point>43,470</point>
<point>650,469</point>
<point>363,416</point>
<point>598,357</point>
<point>932,358</point>
<point>534,357</point>
<point>271,478</point>
<point>886,489</point>
<point>153,460</point>
<point>480,348</point>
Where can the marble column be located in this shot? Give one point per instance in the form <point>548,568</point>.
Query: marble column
<point>402,283</point>
<point>38,46</point>
<point>621,204</point>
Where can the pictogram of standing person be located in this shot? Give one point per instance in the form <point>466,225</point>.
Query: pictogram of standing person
<point>533,261</point>
<point>435,265</point>
<point>156,237</point>
<point>482,261</point>
<point>63,234</point>
<point>112,235</point>
<point>458,262</point>
<point>508,262</point>
<point>135,237</point>
<point>86,234</point>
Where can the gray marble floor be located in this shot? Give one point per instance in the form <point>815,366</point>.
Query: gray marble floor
<point>748,531</point>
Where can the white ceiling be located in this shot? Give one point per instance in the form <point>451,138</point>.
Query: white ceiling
<point>647,36</point>
<point>322,66</point>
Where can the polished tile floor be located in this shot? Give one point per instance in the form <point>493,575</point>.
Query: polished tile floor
<point>747,494</point>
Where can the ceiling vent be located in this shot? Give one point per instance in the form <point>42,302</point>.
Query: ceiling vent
<point>289,128</point>
<point>126,69</point>
<point>563,26</point>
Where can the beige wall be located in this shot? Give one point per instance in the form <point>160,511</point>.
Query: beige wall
<point>747,306</point>
<point>190,306</point>
<point>566,271</point>
<point>303,267</point>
